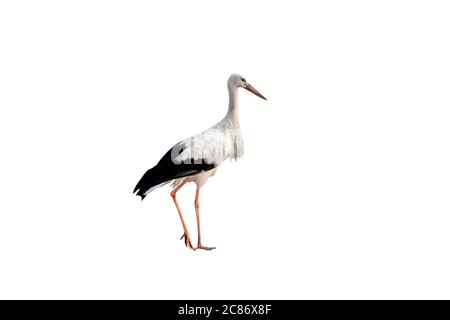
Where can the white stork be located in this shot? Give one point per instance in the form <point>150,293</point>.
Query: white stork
<point>197,158</point>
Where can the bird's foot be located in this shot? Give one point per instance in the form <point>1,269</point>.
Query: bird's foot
<point>204,248</point>
<point>187,240</point>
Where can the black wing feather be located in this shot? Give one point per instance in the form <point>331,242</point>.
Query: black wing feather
<point>167,170</point>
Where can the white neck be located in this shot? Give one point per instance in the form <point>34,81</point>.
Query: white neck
<point>232,114</point>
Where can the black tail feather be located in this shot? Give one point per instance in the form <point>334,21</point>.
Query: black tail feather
<point>150,179</point>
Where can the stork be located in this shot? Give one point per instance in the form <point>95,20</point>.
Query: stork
<point>197,158</point>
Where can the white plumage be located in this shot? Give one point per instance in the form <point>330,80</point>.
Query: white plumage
<point>215,145</point>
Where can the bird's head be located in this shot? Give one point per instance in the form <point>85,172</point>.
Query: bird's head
<point>238,81</point>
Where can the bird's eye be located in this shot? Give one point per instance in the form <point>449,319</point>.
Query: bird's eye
<point>242,79</point>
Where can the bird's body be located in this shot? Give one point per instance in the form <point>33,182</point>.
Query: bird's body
<point>197,158</point>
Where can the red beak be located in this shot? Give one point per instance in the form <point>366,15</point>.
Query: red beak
<point>254,91</point>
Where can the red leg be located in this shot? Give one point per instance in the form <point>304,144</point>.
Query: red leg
<point>187,239</point>
<point>197,211</point>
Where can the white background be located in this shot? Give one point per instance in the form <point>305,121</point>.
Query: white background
<point>344,188</point>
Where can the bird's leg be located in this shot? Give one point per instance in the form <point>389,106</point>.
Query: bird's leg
<point>197,211</point>
<point>187,239</point>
